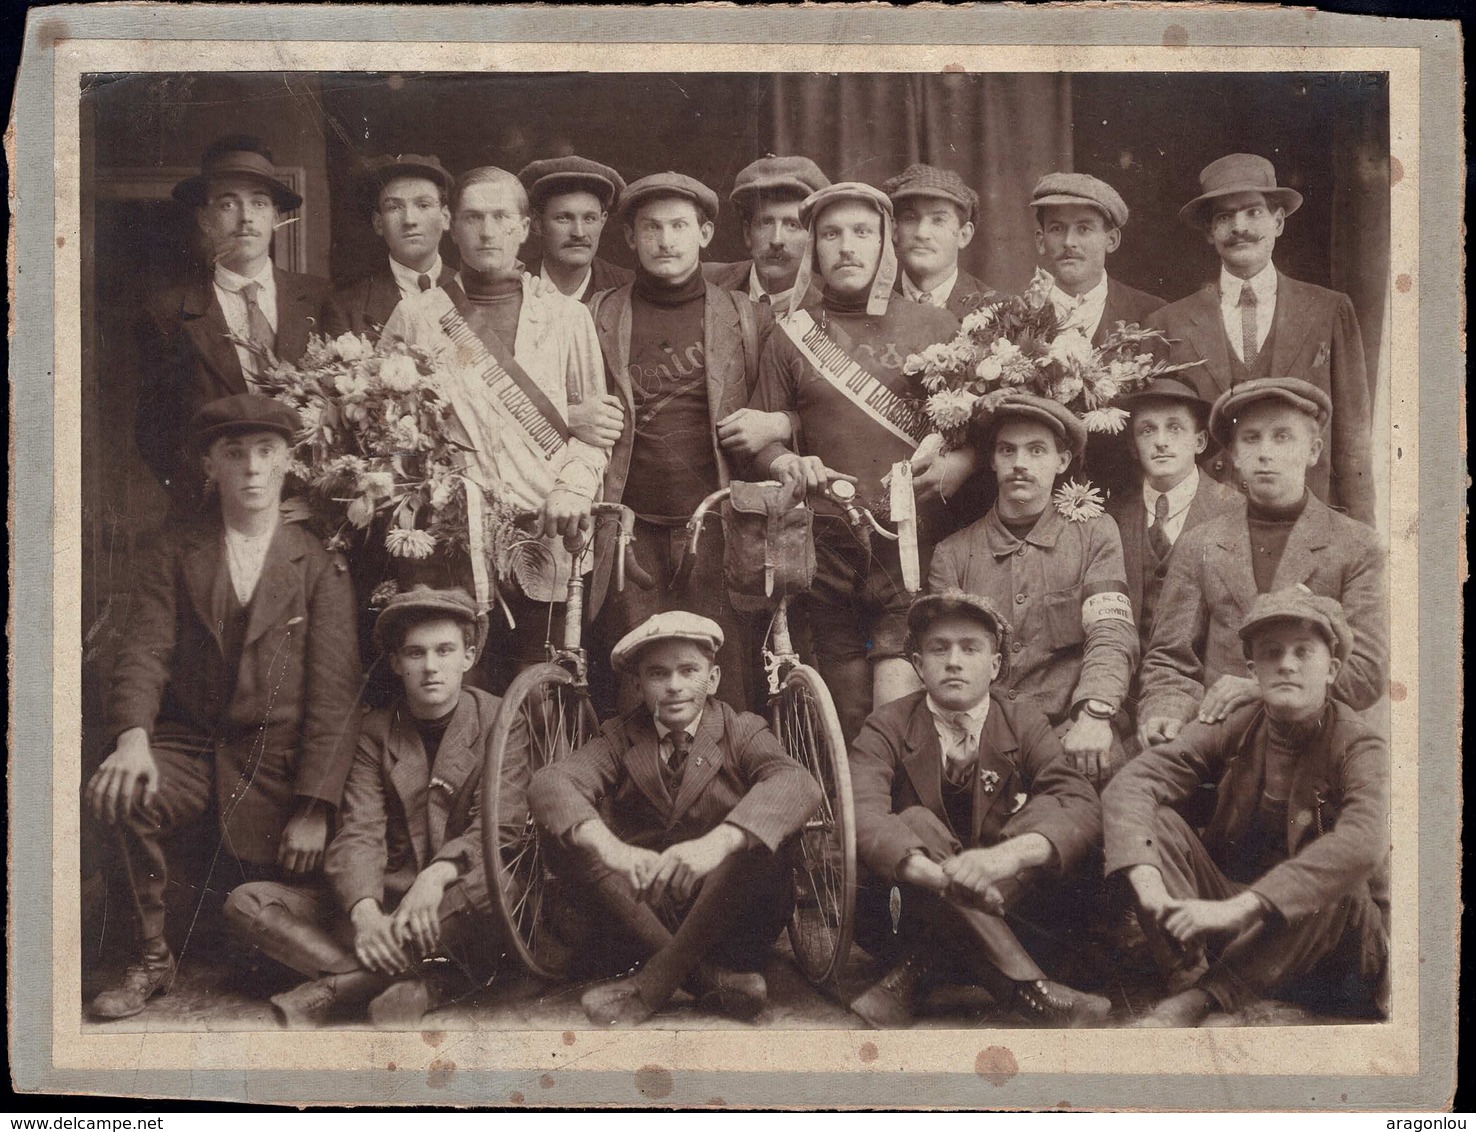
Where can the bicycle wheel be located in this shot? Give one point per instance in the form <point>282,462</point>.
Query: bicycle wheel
<point>804,718</point>
<point>543,717</point>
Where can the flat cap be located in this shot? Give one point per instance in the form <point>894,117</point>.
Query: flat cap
<point>1298,603</point>
<point>380,171</point>
<point>930,607</point>
<point>929,181</point>
<point>425,604</point>
<point>1166,387</point>
<point>1300,395</point>
<point>844,190</point>
<point>778,176</point>
<point>989,412</point>
<point>239,155</point>
<point>1237,173</point>
<point>1080,188</point>
<point>668,185</point>
<point>571,174</point>
<point>243,412</point>
<point>673,625</point>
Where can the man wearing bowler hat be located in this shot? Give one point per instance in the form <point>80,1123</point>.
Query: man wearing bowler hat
<point>571,199</point>
<point>409,199</point>
<point>1256,322</point>
<point>767,194</point>
<point>234,692</point>
<point>211,335</point>
<point>936,213</point>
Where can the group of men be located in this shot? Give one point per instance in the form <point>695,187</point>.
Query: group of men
<point>1058,652</point>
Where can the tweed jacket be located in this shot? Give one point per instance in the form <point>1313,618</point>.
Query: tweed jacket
<point>734,277</point>
<point>1210,588</point>
<point>1041,583</point>
<point>1314,337</point>
<point>1025,784</point>
<point>603,276</point>
<point>732,374</point>
<point>186,359</point>
<point>1337,828</point>
<point>364,306</point>
<point>736,773</point>
<point>282,724</point>
<point>400,814</point>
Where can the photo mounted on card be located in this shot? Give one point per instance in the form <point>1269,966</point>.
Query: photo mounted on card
<point>721,564</point>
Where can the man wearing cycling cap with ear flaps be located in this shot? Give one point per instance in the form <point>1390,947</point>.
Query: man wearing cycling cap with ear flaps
<point>838,365</point>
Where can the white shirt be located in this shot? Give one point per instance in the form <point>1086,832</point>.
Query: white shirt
<point>228,286</point>
<point>662,731</point>
<point>1179,497</point>
<point>1081,312</point>
<point>778,301</point>
<point>408,279</point>
<point>578,292</point>
<point>940,293</point>
<point>1263,283</point>
<point>245,557</point>
<point>972,721</point>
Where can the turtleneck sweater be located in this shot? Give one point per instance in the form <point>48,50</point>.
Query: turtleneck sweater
<point>496,303</point>
<point>1270,527</point>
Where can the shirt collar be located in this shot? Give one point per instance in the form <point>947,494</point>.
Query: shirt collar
<point>976,715</point>
<point>1263,283</point>
<point>777,300</point>
<point>228,280</point>
<point>409,279</point>
<point>1179,496</point>
<point>940,293</point>
<point>1096,297</point>
<point>1001,542</point>
<point>579,290</point>
<point>662,731</point>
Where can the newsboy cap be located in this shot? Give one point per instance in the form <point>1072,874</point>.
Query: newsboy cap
<point>1167,387</point>
<point>919,180</point>
<point>1238,173</point>
<point>822,199</point>
<point>552,175</point>
<point>239,155</point>
<point>777,176</point>
<point>673,625</point>
<point>1300,395</point>
<point>930,607</point>
<point>668,185</point>
<point>243,412</point>
<point>989,412</point>
<point>380,171</point>
<point>1080,188</point>
<point>422,603</point>
<point>1298,603</point>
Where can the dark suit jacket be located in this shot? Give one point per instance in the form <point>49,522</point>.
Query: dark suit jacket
<point>1211,586</point>
<point>291,701</point>
<point>736,773</point>
<point>734,277</point>
<point>604,276</point>
<point>364,306</point>
<point>967,296</point>
<point>1337,817</point>
<point>897,763</point>
<point>399,813</point>
<point>186,360</point>
<point>1315,337</point>
<point>1124,304</point>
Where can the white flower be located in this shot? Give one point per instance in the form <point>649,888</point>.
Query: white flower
<point>1072,350</point>
<point>914,365</point>
<point>376,485</point>
<point>1068,389</point>
<point>399,373</point>
<point>1079,502</point>
<point>382,593</point>
<point>349,384</point>
<point>1105,420</point>
<point>360,512</point>
<point>443,491</point>
<point>1105,388</point>
<point>951,408</point>
<point>990,370</point>
<point>979,321</point>
<point>1005,350</point>
<point>403,542</point>
<point>350,347</point>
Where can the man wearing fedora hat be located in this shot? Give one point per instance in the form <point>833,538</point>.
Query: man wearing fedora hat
<point>404,875</point>
<point>1256,322</point>
<point>209,336</point>
<point>408,197</point>
<point>936,214</point>
<point>1059,571</point>
<point>234,691</point>
<point>571,199</point>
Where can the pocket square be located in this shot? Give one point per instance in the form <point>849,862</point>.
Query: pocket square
<point>1324,352</point>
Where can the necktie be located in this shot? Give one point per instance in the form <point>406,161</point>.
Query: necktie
<point>925,298</point>
<point>424,281</point>
<point>1248,341</point>
<point>1158,537</point>
<point>258,329</point>
<point>676,761</point>
<point>958,761</point>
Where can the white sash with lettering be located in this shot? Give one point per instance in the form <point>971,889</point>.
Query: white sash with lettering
<point>865,391</point>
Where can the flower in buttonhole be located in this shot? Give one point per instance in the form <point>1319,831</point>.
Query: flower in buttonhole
<point>350,347</point>
<point>1106,419</point>
<point>399,373</point>
<point>951,408</point>
<point>1079,502</point>
<point>405,542</point>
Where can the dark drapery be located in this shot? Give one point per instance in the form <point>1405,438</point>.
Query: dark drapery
<point>998,132</point>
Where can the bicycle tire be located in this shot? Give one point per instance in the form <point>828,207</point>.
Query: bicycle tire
<point>544,703</point>
<point>820,927</point>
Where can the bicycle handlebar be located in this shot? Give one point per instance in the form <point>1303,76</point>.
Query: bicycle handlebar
<point>625,560</point>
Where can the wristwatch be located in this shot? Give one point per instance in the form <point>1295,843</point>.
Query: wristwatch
<point>1097,709</point>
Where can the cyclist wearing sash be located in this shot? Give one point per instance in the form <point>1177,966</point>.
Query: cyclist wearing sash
<point>513,358</point>
<point>837,364</point>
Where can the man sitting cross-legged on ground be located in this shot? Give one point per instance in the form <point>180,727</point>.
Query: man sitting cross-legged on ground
<point>1286,890</point>
<point>405,877</point>
<point>690,864</point>
<point>966,802</point>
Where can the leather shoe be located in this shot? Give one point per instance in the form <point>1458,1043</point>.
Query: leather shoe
<point>306,1006</point>
<point>403,1004</point>
<point>617,1002</point>
<point>151,974</point>
<point>740,995</point>
<point>1054,1004</point>
<point>888,1003</point>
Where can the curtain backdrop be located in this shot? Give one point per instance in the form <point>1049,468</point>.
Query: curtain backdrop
<point>999,132</point>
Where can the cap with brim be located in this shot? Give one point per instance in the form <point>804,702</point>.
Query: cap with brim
<point>777,176</point>
<point>1300,395</point>
<point>1080,189</point>
<point>193,191</point>
<point>674,625</point>
<point>554,175</point>
<point>1068,427</point>
<point>659,185</point>
<point>241,413</point>
<point>930,607</point>
<point>380,171</point>
<point>1299,604</point>
<point>813,207</point>
<point>1166,388</point>
<point>930,181</point>
<point>1238,173</point>
<point>422,603</point>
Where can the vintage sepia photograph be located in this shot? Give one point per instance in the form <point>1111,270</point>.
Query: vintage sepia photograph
<point>575,553</point>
